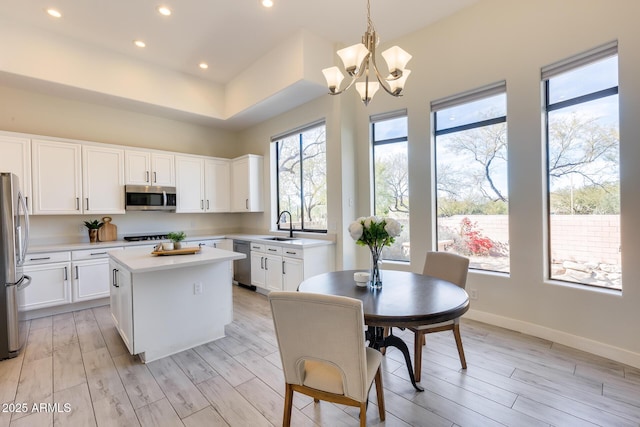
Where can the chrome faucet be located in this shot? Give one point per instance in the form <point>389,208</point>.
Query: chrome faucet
<point>290,222</point>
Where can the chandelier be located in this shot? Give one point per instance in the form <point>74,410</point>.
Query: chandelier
<point>360,60</point>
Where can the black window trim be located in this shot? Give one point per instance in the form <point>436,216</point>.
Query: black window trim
<point>596,55</point>
<point>276,139</point>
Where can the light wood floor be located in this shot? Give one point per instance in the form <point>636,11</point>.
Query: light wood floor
<point>78,359</point>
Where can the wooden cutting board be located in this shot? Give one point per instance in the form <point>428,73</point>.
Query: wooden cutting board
<point>108,232</point>
<point>183,251</point>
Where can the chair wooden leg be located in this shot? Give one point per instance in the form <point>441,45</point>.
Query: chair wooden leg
<point>380,394</point>
<point>456,334</point>
<point>288,404</point>
<point>417,354</point>
<point>363,414</point>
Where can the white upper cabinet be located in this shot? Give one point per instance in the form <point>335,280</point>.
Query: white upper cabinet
<point>57,177</point>
<point>16,158</point>
<point>202,184</point>
<point>190,184</point>
<point>246,182</point>
<point>102,180</point>
<point>137,167</point>
<point>217,173</point>
<point>149,168</point>
<point>70,178</point>
<point>163,171</point>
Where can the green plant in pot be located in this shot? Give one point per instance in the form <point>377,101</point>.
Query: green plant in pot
<point>177,238</point>
<point>93,227</point>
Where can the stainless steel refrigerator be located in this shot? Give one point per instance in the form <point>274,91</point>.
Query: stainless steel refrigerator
<point>14,237</point>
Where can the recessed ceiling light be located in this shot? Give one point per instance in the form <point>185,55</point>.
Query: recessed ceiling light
<point>267,3</point>
<point>139,43</point>
<point>54,13</point>
<point>203,65</point>
<point>164,10</point>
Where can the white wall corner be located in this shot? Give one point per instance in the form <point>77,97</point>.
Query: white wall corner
<point>297,60</point>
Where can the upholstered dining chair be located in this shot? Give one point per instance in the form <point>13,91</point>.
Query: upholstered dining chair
<point>323,352</point>
<point>452,268</point>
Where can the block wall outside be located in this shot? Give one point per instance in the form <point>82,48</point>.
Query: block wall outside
<point>580,238</point>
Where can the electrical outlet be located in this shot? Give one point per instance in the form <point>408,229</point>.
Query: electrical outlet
<point>197,288</point>
<point>473,293</point>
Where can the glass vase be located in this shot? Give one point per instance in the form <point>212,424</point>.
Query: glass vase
<point>375,273</point>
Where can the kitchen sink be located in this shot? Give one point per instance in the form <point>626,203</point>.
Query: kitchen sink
<point>279,239</point>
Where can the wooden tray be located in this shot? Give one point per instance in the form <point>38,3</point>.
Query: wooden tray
<point>108,232</point>
<point>182,251</point>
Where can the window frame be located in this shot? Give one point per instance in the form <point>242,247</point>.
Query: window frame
<point>374,143</point>
<point>547,73</point>
<point>488,91</point>
<point>277,139</point>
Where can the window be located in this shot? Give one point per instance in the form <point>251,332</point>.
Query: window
<point>472,195</point>
<point>583,174</point>
<point>302,177</point>
<point>391,178</point>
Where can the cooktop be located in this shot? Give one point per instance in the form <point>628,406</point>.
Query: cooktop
<point>145,237</point>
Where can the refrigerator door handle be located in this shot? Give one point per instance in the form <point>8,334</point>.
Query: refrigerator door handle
<point>23,241</point>
<point>26,281</point>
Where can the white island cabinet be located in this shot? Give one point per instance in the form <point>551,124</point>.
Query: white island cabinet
<point>163,305</point>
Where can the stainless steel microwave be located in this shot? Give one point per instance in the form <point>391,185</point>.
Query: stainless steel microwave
<point>149,198</point>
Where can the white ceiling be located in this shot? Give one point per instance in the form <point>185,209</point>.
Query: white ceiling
<point>229,35</point>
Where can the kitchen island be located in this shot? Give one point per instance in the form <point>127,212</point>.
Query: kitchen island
<point>164,304</point>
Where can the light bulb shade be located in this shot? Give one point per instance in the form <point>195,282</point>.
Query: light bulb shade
<point>397,85</point>
<point>352,57</point>
<point>334,78</point>
<point>367,90</point>
<point>396,59</point>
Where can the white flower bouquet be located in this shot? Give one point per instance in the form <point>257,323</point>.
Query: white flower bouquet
<point>376,233</point>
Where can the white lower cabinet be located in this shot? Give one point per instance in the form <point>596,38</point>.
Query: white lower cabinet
<point>277,268</point>
<point>266,266</point>
<point>292,273</point>
<point>59,278</point>
<point>50,285</point>
<point>90,279</point>
<point>273,272</point>
<point>90,274</point>
<point>266,271</point>
<point>257,269</point>
<point>122,303</point>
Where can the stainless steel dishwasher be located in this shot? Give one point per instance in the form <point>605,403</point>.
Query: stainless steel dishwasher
<point>242,267</point>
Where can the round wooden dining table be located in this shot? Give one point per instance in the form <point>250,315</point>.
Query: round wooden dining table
<point>405,300</point>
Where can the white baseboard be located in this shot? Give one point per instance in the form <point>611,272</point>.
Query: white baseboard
<point>65,308</point>
<point>585,344</point>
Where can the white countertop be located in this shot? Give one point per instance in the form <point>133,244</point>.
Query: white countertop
<point>297,242</point>
<point>302,243</point>
<point>141,260</point>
